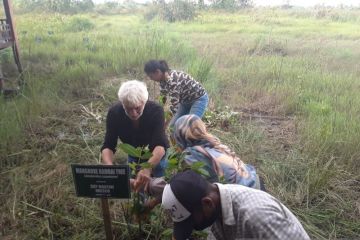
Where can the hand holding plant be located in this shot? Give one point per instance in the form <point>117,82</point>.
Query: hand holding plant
<point>142,179</point>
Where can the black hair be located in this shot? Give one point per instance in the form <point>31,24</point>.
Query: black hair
<point>153,65</point>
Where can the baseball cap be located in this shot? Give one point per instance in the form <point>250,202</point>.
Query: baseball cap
<point>181,197</point>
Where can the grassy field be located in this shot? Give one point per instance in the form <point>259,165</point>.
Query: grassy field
<point>284,88</point>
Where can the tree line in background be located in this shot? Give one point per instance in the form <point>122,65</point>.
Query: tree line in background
<point>172,10</point>
<point>62,6</point>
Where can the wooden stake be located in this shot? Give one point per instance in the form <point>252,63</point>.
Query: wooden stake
<point>106,216</point>
<point>11,21</point>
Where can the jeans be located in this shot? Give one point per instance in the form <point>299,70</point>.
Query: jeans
<point>197,108</point>
<point>158,170</point>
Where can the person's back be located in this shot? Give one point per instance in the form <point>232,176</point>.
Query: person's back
<point>250,213</point>
<point>232,211</point>
<point>219,160</point>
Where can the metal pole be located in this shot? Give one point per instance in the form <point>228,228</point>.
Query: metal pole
<point>106,216</point>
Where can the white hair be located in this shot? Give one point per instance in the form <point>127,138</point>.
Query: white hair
<point>133,93</point>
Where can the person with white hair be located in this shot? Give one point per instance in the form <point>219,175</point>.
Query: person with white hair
<point>137,121</point>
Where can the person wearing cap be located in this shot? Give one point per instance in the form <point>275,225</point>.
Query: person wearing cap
<point>232,211</point>
<point>137,121</point>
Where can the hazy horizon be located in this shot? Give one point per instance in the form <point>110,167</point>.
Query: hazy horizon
<point>300,3</point>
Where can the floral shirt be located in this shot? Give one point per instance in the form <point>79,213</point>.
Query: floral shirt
<point>181,88</point>
<point>223,167</point>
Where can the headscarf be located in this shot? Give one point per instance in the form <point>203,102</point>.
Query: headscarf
<point>197,144</point>
<point>184,131</point>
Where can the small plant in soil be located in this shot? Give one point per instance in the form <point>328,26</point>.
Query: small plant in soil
<point>138,212</point>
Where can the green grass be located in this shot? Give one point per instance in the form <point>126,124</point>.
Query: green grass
<point>297,69</point>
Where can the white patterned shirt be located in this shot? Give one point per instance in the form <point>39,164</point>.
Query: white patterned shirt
<point>250,213</point>
<point>181,88</point>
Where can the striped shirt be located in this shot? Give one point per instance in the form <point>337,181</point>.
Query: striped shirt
<point>249,213</point>
<point>181,88</point>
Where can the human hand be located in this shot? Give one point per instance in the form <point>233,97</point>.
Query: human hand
<point>142,179</point>
<point>151,203</point>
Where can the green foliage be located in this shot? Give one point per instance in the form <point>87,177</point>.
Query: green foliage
<point>5,55</point>
<point>223,118</point>
<point>137,208</point>
<point>62,6</point>
<point>139,152</point>
<point>198,167</point>
<point>167,233</point>
<point>78,24</point>
<point>116,7</point>
<point>200,69</point>
<point>177,10</point>
<point>231,4</point>
<point>294,84</point>
<point>176,164</point>
<point>162,100</point>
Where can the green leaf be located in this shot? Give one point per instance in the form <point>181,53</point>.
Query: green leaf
<point>222,179</point>
<point>162,100</point>
<point>130,150</point>
<point>132,166</point>
<point>204,172</point>
<point>146,155</point>
<point>145,165</point>
<point>168,115</point>
<point>200,234</point>
<point>167,232</point>
<point>197,165</point>
<point>173,161</point>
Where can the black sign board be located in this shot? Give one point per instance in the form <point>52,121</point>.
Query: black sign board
<point>101,181</point>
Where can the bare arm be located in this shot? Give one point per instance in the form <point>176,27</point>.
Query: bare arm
<point>157,154</point>
<point>107,156</point>
<point>144,175</point>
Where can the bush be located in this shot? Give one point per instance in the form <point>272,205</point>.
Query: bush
<point>231,4</point>
<point>77,24</point>
<point>113,8</point>
<point>177,10</point>
<point>62,6</point>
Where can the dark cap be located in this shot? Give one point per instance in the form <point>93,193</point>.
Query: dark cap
<point>181,197</point>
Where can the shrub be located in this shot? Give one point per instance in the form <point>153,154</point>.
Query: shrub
<point>113,8</point>
<point>77,24</point>
<point>68,6</point>
<point>231,4</point>
<point>178,10</point>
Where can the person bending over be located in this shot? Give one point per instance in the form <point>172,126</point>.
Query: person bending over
<point>232,211</point>
<point>186,94</point>
<point>197,145</point>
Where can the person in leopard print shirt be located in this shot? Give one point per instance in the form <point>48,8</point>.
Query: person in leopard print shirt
<point>187,96</point>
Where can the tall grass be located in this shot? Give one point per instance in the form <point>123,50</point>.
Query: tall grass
<point>270,63</point>
<point>72,78</point>
<point>290,65</point>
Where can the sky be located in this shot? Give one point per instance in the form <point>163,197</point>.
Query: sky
<point>303,3</point>
<point>307,3</point>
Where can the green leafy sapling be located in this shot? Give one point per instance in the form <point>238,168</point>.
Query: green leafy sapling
<point>138,210</point>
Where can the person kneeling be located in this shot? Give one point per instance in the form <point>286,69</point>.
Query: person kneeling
<point>137,121</point>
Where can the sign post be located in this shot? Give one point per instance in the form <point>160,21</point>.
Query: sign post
<point>106,216</point>
<point>102,181</point>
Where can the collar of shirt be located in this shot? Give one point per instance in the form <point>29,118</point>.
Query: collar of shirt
<point>226,205</point>
<point>169,77</point>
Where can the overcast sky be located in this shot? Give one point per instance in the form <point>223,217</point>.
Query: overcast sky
<point>304,3</point>
<point>308,3</point>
